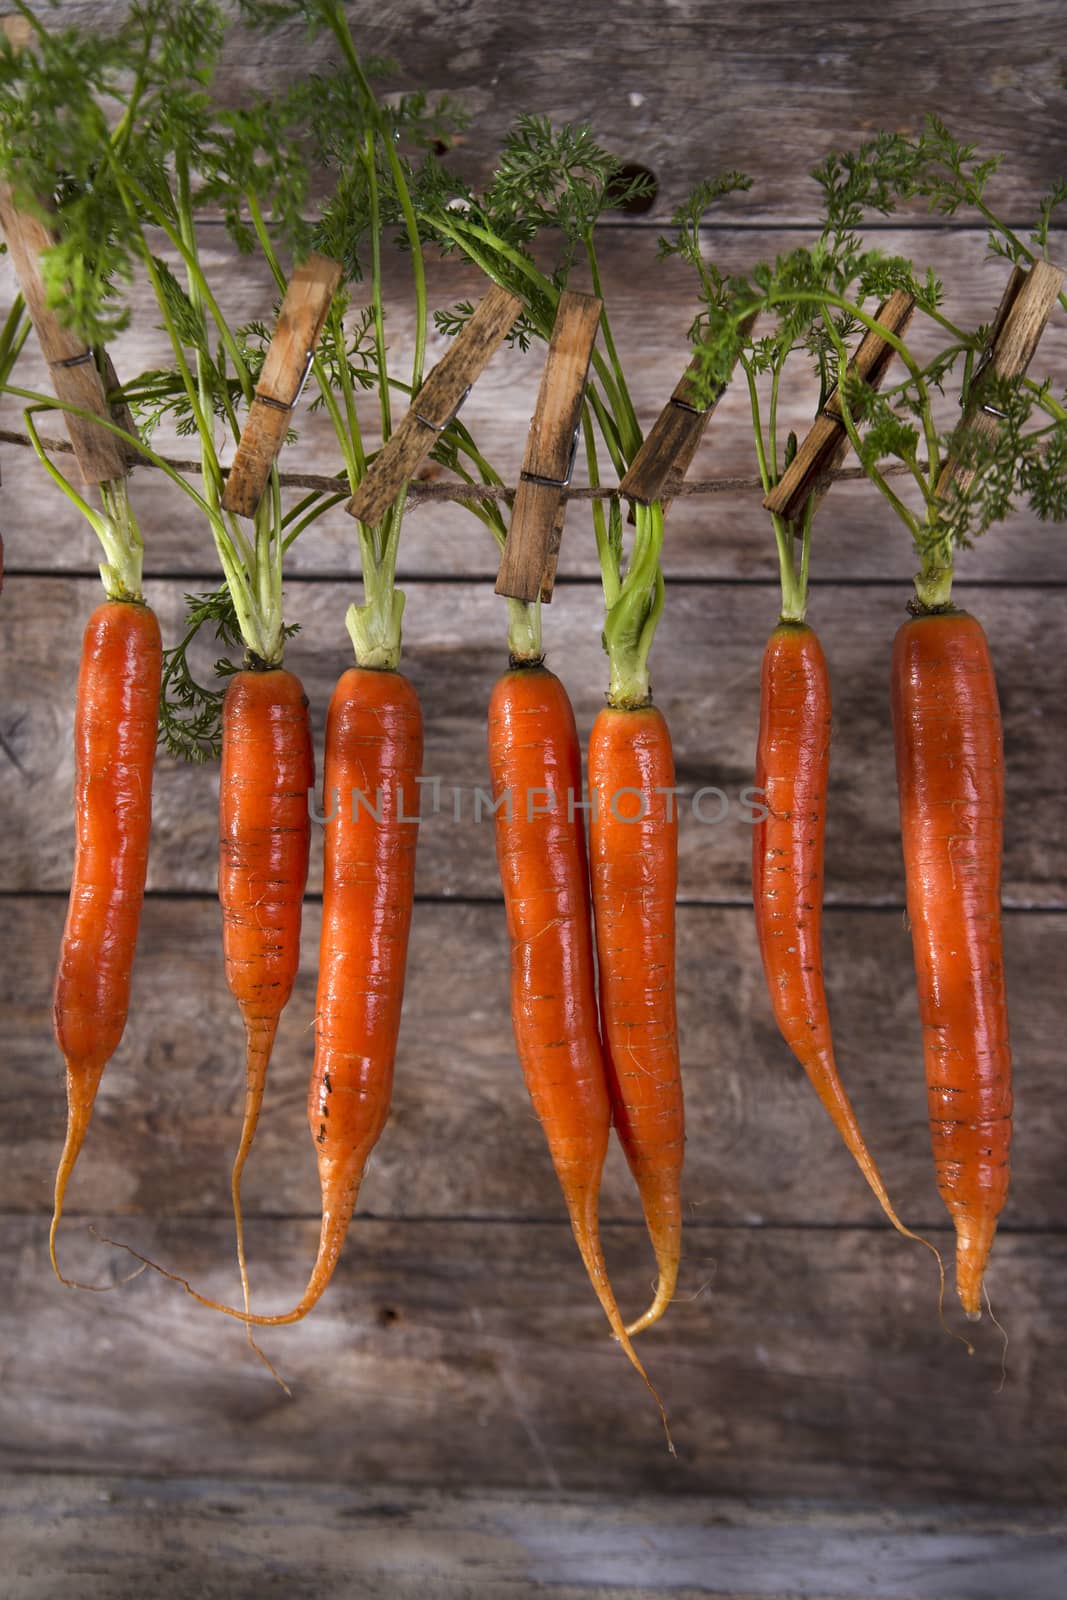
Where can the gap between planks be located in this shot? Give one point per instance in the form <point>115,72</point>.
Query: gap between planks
<point>899,222</point>
<point>503,1219</point>
<point>313,897</point>
<point>574,580</point>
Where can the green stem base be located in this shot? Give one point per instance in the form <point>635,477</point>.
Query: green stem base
<point>525,648</point>
<point>933,589</point>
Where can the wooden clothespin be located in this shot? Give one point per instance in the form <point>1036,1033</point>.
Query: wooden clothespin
<point>826,442</point>
<point>75,377</point>
<point>435,405</point>
<point>666,455</point>
<point>1014,336</point>
<point>300,323</point>
<point>668,450</point>
<point>528,564</point>
<point>17,29</point>
<point>671,442</point>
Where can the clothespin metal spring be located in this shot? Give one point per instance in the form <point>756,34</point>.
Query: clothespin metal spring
<point>557,483</point>
<point>991,411</point>
<point>289,405</point>
<point>439,427</point>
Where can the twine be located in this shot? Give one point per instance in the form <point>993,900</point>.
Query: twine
<point>451,489</point>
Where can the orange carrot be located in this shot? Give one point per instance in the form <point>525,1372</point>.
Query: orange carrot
<point>114,748</point>
<point>264,841</point>
<point>950,776</point>
<point>536,770</point>
<point>633,836</point>
<point>792,771</point>
<point>373,757</point>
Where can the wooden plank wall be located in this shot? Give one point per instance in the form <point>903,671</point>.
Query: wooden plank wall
<point>459,1345</point>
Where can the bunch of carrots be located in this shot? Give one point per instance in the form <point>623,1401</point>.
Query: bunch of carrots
<point>590,914</point>
<point>945,713</point>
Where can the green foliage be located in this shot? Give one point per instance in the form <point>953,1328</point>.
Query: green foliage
<point>253,152</point>
<point>952,174</point>
<point>91,124</point>
<point>1025,458</point>
<point>1042,475</point>
<point>270,149</point>
<point>560,178</point>
<point>890,428</point>
<point>550,183</point>
<point>354,350</point>
<point>13,335</point>
<point>813,292</point>
<point>687,222</point>
<point>187,320</point>
<point>190,712</point>
<point>819,298</point>
<point>450,319</point>
<point>88,123</point>
<point>161,392</point>
<point>1056,196</point>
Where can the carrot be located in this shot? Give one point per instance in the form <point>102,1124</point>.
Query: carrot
<point>950,777</point>
<point>373,753</point>
<point>634,854</point>
<point>536,769</point>
<point>792,771</point>
<point>114,748</point>
<point>264,841</point>
<point>373,757</point>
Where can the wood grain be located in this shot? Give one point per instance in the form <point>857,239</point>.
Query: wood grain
<point>235,1539</point>
<point>528,565</point>
<point>462,1141</point>
<point>826,443</point>
<point>300,323</point>
<point>1016,331</point>
<point>671,443</point>
<point>75,377</point>
<point>436,403</point>
<point>468,1353</point>
<point>651,304</point>
<point>452,1355</point>
<point>72,371</point>
<point>683,83</point>
<point>705,675</point>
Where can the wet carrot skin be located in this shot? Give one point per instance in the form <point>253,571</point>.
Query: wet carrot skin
<point>373,757</point>
<point>114,751</point>
<point>633,833</point>
<point>264,837</point>
<point>114,755</point>
<point>536,767</point>
<point>266,774</point>
<point>374,742</point>
<point>535,764</point>
<point>950,774</point>
<point>788,851</point>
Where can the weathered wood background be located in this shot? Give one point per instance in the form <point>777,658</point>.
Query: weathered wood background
<point>459,1348</point>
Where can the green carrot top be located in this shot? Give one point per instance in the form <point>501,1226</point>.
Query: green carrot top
<point>139,151</point>
<point>821,295</point>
